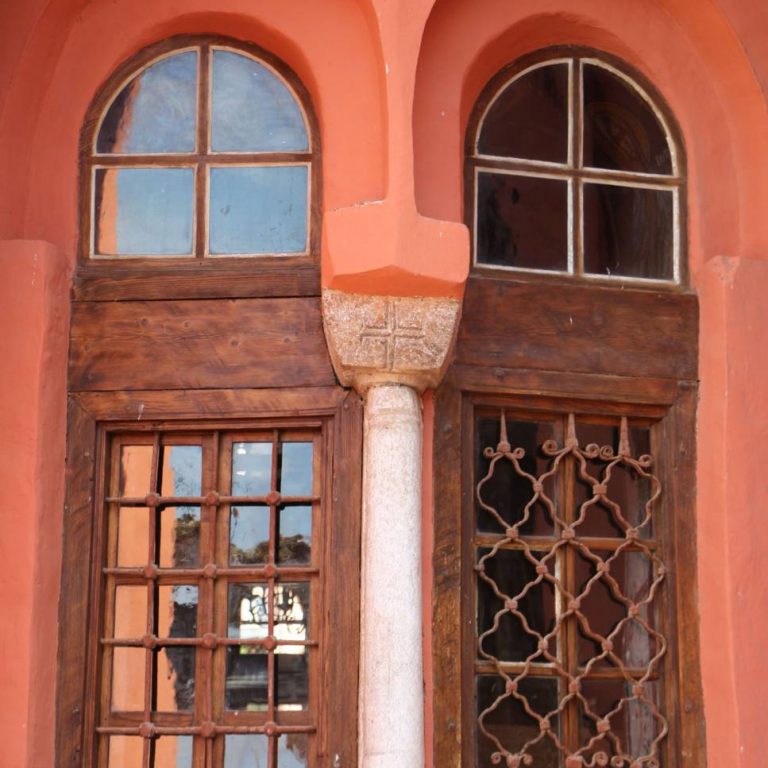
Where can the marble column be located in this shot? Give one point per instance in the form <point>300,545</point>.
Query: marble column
<point>390,349</point>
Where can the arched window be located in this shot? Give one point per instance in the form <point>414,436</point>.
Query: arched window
<point>564,515</point>
<point>574,170</point>
<point>202,151</point>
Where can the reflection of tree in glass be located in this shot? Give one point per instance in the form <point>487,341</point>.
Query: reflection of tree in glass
<point>292,549</point>
<point>186,535</point>
<point>297,744</point>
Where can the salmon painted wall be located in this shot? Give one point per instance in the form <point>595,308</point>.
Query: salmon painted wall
<point>393,82</point>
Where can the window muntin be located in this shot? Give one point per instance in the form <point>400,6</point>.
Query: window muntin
<point>569,651</point>
<point>206,151</point>
<point>574,171</point>
<point>212,599</point>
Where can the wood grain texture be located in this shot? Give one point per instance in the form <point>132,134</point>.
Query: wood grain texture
<point>75,586</point>
<point>579,328</point>
<point>198,345</point>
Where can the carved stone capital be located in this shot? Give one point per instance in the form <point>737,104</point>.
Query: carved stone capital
<point>389,339</point>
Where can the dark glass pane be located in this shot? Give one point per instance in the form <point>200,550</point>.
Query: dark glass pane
<point>176,610</point>
<point>174,679</point>
<point>249,535</point>
<point>295,535</point>
<point>135,469</point>
<point>251,469</point>
<point>627,489</point>
<point>155,112</point>
<point>292,679</point>
<point>512,725</point>
<point>246,682</point>
<point>172,752</point>
<point>506,491</point>
<point>606,606</point>
<point>179,541</point>
<point>529,118</point>
<point>621,131</point>
<point>144,211</point>
<point>628,231</point>
<point>132,536</point>
<point>125,751</point>
<point>511,641</point>
<point>296,469</point>
<point>291,604</point>
<point>252,109</point>
<point>292,750</point>
<point>258,210</point>
<point>245,750</point>
<point>182,470</point>
<point>522,221</point>
<point>128,667</point>
<point>631,721</point>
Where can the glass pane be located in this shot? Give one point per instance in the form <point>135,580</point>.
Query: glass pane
<point>125,752</point>
<point>606,607</point>
<point>246,683</point>
<point>522,221</point>
<point>130,612</point>
<point>182,470</point>
<point>177,610</point>
<point>245,751</point>
<point>511,641</point>
<point>258,210</point>
<point>292,749</point>
<point>529,119</point>
<point>295,535</point>
<point>633,727</point>
<point>252,108</point>
<point>621,131</point>
<point>626,488</point>
<point>251,469</point>
<point>249,535</point>
<point>144,211</point>
<point>132,536</point>
<point>155,112</point>
<point>296,469</point>
<point>179,538</point>
<point>174,679</point>
<point>248,610</point>
<point>292,679</point>
<point>291,605</point>
<point>510,722</point>
<point>506,491</point>
<point>628,231</point>
<point>135,470</point>
<point>173,752</point>
<point>128,667</point>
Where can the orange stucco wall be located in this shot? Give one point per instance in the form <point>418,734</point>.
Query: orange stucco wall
<point>392,82</point>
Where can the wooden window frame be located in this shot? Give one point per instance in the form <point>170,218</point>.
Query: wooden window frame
<point>671,406</point>
<point>573,171</point>
<point>92,416</point>
<point>151,277</point>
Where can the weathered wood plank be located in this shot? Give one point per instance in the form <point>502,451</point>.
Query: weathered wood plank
<point>578,328</point>
<point>198,345</point>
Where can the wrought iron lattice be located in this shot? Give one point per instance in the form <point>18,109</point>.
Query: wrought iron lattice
<point>585,690</point>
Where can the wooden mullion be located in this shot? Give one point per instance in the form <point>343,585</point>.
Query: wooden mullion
<point>201,174</point>
<point>536,168</point>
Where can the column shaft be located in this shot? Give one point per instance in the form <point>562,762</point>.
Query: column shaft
<point>391,673</point>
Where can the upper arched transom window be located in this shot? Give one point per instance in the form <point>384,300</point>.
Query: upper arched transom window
<point>203,150</point>
<point>574,170</point>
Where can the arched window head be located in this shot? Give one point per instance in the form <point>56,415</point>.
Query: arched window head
<point>575,170</point>
<point>200,148</point>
